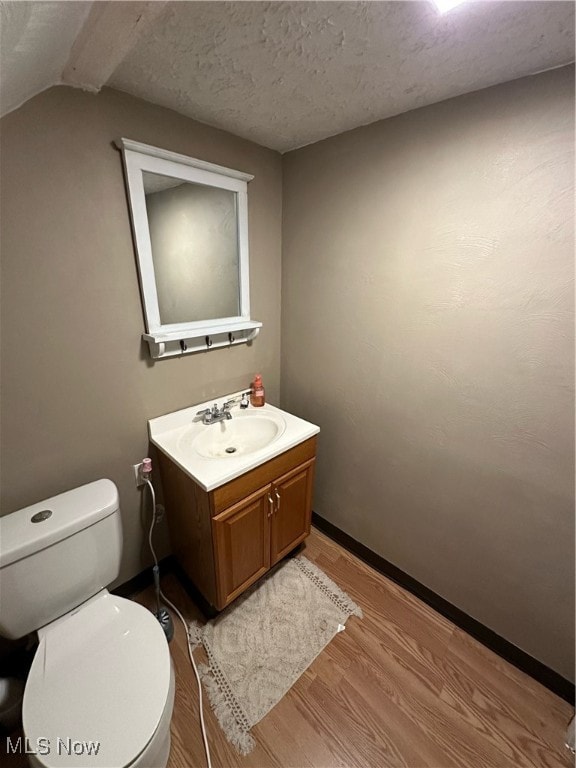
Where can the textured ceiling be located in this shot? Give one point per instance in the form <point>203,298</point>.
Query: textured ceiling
<point>283,74</point>
<point>35,42</point>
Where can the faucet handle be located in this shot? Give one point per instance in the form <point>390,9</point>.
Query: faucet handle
<point>228,404</point>
<point>201,413</point>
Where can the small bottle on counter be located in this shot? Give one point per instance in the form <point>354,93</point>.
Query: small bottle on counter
<point>257,397</point>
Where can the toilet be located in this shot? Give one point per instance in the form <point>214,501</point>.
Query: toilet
<point>100,691</point>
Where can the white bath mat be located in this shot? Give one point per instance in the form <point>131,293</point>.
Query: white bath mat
<point>259,646</point>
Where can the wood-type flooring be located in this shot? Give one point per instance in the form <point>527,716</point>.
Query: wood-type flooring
<point>401,687</point>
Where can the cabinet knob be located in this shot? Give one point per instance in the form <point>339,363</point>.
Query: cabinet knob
<point>277,500</point>
<point>270,506</point>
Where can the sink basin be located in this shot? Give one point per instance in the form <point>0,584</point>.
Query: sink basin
<point>241,435</point>
<point>214,454</point>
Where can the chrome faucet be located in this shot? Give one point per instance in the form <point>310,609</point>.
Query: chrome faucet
<point>214,415</point>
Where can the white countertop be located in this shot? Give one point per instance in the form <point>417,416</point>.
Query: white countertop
<point>178,436</point>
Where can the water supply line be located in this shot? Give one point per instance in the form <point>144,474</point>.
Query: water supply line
<point>167,625</point>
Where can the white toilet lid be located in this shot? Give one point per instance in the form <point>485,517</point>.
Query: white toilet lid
<point>102,675</point>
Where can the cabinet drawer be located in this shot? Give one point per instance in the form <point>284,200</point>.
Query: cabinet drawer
<point>238,489</point>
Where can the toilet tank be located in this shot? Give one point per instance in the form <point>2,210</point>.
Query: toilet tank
<point>56,554</point>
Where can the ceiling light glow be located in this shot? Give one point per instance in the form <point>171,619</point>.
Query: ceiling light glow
<point>443,6</point>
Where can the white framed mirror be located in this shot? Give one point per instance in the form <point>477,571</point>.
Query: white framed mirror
<point>190,225</point>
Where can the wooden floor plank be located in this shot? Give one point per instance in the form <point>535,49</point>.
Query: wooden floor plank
<point>401,688</point>
<point>501,708</point>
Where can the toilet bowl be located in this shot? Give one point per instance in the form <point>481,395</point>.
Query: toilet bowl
<point>100,690</point>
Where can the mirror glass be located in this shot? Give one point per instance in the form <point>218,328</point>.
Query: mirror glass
<point>195,249</point>
<point>190,225</point>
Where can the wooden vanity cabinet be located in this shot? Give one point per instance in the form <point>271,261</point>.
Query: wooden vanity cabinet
<point>226,539</point>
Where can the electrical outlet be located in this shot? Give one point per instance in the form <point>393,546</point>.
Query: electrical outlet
<point>138,474</point>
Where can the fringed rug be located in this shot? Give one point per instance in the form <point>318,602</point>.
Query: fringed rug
<point>259,646</point>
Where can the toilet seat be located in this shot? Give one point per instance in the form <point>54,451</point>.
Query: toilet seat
<point>101,675</point>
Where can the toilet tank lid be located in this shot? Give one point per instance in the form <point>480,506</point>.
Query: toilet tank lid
<point>70,512</point>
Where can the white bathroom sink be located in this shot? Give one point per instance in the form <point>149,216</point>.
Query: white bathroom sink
<point>240,435</point>
<point>214,454</point>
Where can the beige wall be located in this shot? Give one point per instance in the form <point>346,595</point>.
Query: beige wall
<point>77,384</point>
<point>427,327</point>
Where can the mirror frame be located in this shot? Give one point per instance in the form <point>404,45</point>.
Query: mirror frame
<point>167,339</point>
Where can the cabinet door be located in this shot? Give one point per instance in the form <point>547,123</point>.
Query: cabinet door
<point>242,544</point>
<point>292,495</point>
